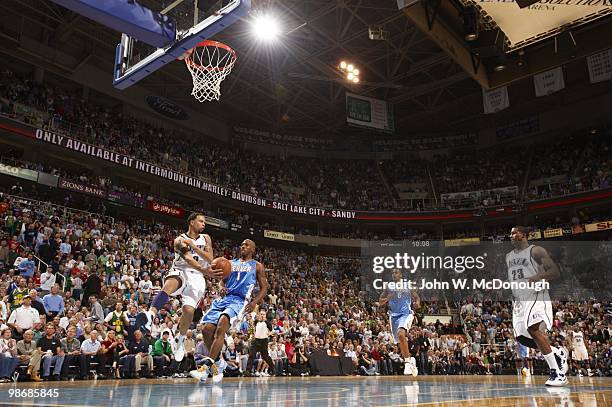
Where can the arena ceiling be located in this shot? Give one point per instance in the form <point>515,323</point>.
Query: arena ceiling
<point>296,76</point>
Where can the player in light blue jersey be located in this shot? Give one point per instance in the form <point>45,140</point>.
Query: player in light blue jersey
<point>229,310</point>
<point>400,317</point>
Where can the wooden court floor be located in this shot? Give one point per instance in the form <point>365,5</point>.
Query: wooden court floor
<point>473,391</point>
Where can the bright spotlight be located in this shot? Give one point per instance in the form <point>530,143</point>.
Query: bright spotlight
<point>343,65</point>
<point>355,71</point>
<point>350,67</point>
<point>266,28</point>
<point>350,76</point>
<point>356,79</point>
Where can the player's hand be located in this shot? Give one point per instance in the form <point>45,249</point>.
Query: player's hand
<point>250,307</point>
<point>214,273</point>
<point>190,243</point>
<point>383,301</point>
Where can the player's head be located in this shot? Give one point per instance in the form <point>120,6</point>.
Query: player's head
<point>519,235</point>
<point>247,248</point>
<point>396,274</point>
<point>196,222</point>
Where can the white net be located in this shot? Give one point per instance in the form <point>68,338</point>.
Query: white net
<point>209,63</point>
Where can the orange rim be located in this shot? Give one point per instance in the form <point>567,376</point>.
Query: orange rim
<point>210,43</point>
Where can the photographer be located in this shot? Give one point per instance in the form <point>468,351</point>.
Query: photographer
<point>298,366</point>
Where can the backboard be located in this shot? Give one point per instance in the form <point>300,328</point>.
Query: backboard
<point>135,59</point>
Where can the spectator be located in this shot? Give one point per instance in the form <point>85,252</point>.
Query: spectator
<point>3,307</point>
<point>36,302</point>
<point>71,347</point>
<point>23,318</point>
<point>139,350</point>
<point>231,357</point>
<point>47,281</point>
<point>162,355</point>
<point>119,351</point>
<point>201,351</point>
<point>27,267</point>
<point>77,286</point>
<point>9,358</point>
<point>188,362</point>
<point>65,248</point>
<point>282,364</point>
<point>53,302</point>
<point>52,354</point>
<point>91,260</point>
<point>130,327</point>
<point>28,353</point>
<point>18,294</point>
<point>97,313</point>
<point>145,287</point>
<point>91,351</point>
<point>423,346</point>
<point>46,253</point>
<point>92,286</point>
<point>4,254</point>
<point>117,320</point>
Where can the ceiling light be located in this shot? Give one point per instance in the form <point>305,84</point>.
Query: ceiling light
<point>266,27</point>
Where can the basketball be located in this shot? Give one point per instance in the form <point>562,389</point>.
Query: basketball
<point>224,264</point>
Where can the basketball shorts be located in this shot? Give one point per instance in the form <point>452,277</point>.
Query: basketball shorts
<point>230,305</point>
<point>529,313</point>
<point>400,321</point>
<point>193,286</point>
<point>580,353</point>
<point>523,351</point>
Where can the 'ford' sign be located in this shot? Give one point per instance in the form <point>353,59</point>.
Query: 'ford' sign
<point>166,107</point>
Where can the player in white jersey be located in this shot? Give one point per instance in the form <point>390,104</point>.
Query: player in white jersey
<point>193,254</point>
<point>580,354</point>
<point>532,310</point>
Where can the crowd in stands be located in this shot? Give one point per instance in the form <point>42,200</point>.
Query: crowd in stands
<point>79,313</point>
<point>350,184</point>
<point>500,167</point>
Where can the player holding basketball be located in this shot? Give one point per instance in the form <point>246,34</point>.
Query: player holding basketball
<point>193,254</point>
<point>225,312</point>
<point>401,317</point>
<point>532,310</point>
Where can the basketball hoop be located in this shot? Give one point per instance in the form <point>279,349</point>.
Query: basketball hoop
<point>209,63</point>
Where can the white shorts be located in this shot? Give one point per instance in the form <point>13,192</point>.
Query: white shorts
<point>193,286</point>
<point>529,313</point>
<point>580,353</point>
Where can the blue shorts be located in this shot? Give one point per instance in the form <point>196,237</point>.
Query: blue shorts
<point>523,351</point>
<point>230,305</point>
<point>400,321</point>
